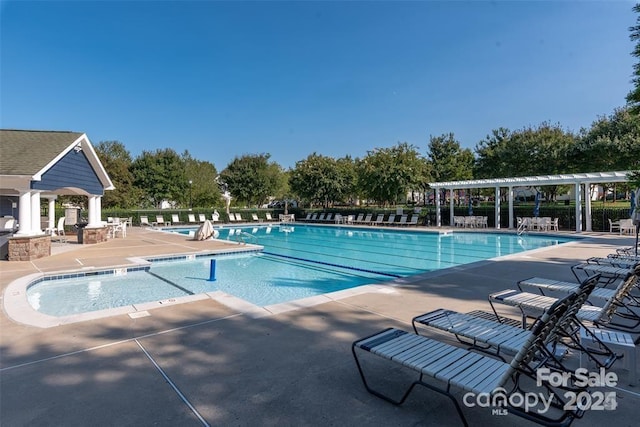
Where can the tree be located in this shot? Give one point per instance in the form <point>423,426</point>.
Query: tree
<point>449,162</point>
<point>203,189</point>
<point>320,180</point>
<point>387,174</point>
<point>160,176</point>
<point>117,162</point>
<point>633,98</point>
<point>252,179</point>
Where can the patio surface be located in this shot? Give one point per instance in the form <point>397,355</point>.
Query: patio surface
<point>204,363</point>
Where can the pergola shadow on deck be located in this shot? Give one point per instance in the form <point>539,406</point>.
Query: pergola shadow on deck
<point>581,182</point>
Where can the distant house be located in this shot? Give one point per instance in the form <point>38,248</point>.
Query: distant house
<point>36,165</point>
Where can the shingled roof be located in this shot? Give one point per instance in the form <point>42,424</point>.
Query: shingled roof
<point>26,152</point>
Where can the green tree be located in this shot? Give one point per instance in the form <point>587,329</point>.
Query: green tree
<point>201,176</point>
<point>160,175</point>
<point>116,160</point>
<point>633,98</point>
<point>252,179</point>
<point>320,180</point>
<point>389,174</point>
<point>448,160</point>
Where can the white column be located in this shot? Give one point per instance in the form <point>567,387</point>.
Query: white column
<point>587,206</point>
<point>497,205</point>
<point>92,213</point>
<point>510,207</point>
<point>451,207</point>
<point>578,197</point>
<point>438,213</point>
<point>52,213</point>
<point>24,214</point>
<point>98,210</point>
<point>35,213</point>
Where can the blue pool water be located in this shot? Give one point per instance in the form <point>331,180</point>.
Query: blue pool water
<point>298,261</point>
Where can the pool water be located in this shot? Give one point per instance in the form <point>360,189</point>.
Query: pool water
<point>298,261</point>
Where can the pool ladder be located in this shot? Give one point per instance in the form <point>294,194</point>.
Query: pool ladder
<point>244,236</point>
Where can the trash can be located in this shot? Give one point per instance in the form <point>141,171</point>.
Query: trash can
<point>80,227</point>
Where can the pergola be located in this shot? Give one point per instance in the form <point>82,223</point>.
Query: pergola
<point>580,181</point>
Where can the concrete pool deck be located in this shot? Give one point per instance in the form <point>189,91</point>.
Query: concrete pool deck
<point>205,363</point>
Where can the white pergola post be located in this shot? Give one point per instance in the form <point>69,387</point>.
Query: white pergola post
<point>497,206</point>
<point>24,214</point>
<point>587,206</point>
<point>438,213</point>
<point>451,192</point>
<point>510,207</point>
<point>35,213</point>
<point>578,197</point>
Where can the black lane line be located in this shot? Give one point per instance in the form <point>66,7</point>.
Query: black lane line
<point>175,285</point>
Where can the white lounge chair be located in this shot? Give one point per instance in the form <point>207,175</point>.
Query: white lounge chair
<point>255,218</point>
<point>391,220</point>
<point>379,220</point>
<point>627,227</point>
<point>192,218</point>
<point>202,218</point>
<point>144,220</point>
<point>175,219</point>
<point>232,217</point>
<point>59,231</point>
<point>160,221</point>
<point>268,216</point>
<point>414,219</point>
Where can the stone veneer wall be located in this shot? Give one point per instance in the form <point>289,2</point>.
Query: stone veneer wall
<point>29,247</point>
<point>94,235</point>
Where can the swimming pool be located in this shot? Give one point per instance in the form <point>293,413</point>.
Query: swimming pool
<point>297,261</point>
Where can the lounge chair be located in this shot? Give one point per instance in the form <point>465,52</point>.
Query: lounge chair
<point>239,218</point>
<point>366,220</point>
<point>503,336</point>
<point>358,218</point>
<point>314,217</point>
<point>321,217</point>
<point>378,220</point>
<point>144,220</point>
<point>202,218</point>
<point>307,218</point>
<point>414,220</point>
<point>255,217</point>
<point>175,219</point>
<point>215,217</point>
<point>329,217</point>
<point>160,221</point>
<point>448,367</point>
<point>391,220</point>
<point>192,218</point>
<point>403,220</point>
<point>531,304</point>
<point>232,217</point>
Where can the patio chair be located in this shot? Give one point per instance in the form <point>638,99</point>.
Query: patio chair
<point>366,220</point>
<point>175,219</point>
<point>59,231</point>
<point>613,225</point>
<point>329,217</point>
<point>359,218</point>
<point>414,220</point>
<point>313,217</point>
<point>202,218</point>
<point>144,220</point>
<point>307,218</point>
<point>232,217</point>
<point>215,217</point>
<point>239,218</point>
<point>255,217</point>
<point>321,217</point>
<point>192,219</point>
<point>448,368</point>
<point>627,226</point>
<point>553,224</point>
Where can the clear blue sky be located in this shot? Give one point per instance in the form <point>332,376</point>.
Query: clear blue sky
<point>222,79</point>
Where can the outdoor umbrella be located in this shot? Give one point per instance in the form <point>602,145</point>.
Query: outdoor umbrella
<point>470,206</point>
<point>536,208</point>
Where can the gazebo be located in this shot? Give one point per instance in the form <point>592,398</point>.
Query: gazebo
<point>36,165</point>
<point>581,183</point>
